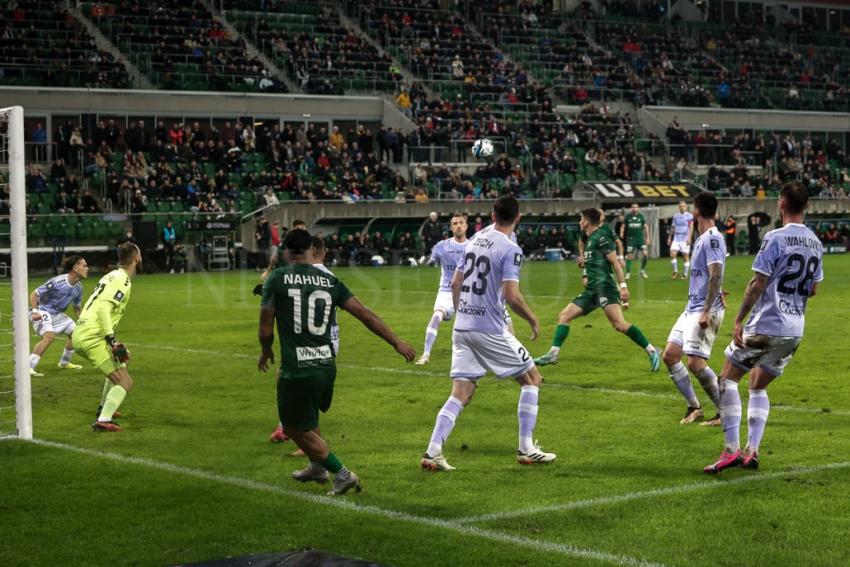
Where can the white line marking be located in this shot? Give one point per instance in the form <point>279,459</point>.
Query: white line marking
<point>351,506</point>
<point>576,387</point>
<point>667,491</point>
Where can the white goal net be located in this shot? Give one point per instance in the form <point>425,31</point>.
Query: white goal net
<point>15,395</point>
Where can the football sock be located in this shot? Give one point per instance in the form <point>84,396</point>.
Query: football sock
<point>643,260</point>
<point>758,409</point>
<point>637,336</point>
<point>107,385</point>
<point>708,379</point>
<point>679,375</point>
<point>113,401</point>
<point>628,266</point>
<point>34,360</point>
<point>527,415</point>
<point>431,332</point>
<point>332,463</point>
<point>561,334</point>
<point>343,474</point>
<point>687,268</point>
<point>66,357</point>
<point>675,264</point>
<point>730,413</point>
<point>444,425</point>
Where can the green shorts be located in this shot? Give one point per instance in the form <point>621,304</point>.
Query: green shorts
<point>299,400</point>
<point>634,246</point>
<point>590,299</point>
<point>95,350</point>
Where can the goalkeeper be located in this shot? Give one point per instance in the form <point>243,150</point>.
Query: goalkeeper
<point>94,337</point>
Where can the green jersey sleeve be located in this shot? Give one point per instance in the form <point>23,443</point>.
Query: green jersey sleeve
<point>341,293</point>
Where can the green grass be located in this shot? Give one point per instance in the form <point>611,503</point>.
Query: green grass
<point>200,404</point>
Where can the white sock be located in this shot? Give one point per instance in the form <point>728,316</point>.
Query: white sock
<point>687,267</point>
<point>34,360</point>
<point>679,375</point>
<point>66,357</point>
<point>675,266</point>
<point>556,350</point>
<point>650,349</point>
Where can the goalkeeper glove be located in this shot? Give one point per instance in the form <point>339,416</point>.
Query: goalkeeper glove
<point>258,289</point>
<point>119,351</point>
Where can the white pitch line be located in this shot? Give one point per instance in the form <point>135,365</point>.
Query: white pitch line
<point>575,387</point>
<point>666,491</point>
<point>350,505</point>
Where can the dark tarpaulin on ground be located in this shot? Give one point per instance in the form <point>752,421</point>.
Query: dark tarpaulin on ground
<point>299,558</point>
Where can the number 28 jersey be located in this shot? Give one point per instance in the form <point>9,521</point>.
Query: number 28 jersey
<point>304,299</point>
<point>791,257</point>
<point>489,259</point>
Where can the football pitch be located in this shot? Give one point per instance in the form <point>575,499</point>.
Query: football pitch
<point>193,476</point>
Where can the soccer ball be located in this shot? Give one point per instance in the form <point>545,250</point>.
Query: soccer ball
<point>482,148</point>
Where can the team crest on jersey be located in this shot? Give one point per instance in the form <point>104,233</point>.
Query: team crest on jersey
<point>714,244</point>
<point>119,295</point>
<point>517,259</point>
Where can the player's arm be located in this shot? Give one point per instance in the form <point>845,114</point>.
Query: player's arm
<point>755,288</point>
<point>618,274</point>
<point>814,290</point>
<point>690,231</point>
<point>580,259</point>
<point>377,325</point>
<point>266,336</point>
<point>457,281</point>
<point>715,281</point>
<point>646,233</point>
<point>36,316</point>
<point>619,244</point>
<point>670,232</point>
<point>515,300</point>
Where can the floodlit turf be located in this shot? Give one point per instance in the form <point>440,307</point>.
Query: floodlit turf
<point>193,476</point>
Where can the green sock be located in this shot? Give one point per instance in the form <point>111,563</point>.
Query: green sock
<point>561,334</point>
<point>628,266</point>
<point>643,260</point>
<point>637,336</point>
<point>107,385</point>
<point>332,463</point>
<point>113,401</point>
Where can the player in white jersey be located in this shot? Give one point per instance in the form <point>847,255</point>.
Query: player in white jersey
<point>696,328</point>
<point>317,252</point>
<point>509,322</point>
<point>679,239</point>
<point>787,273</point>
<point>487,277</point>
<point>48,304</point>
<point>446,253</point>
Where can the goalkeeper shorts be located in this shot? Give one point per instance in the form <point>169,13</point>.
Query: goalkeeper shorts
<point>96,351</point>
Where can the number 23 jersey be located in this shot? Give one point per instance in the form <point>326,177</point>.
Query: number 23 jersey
<point>791,258</point>
<point>489,259</point>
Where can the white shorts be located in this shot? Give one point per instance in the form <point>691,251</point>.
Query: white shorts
<point>680,246</point>
<point>59,324</point>
<point>474,354</point>
<point>763,351</point>
<point>694,340</point>
<point>445,304</point>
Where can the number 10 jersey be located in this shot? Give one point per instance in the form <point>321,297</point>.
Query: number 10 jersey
<point>791,257</point>
<point>489,259</point>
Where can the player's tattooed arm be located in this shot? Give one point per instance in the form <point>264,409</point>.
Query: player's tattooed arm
<point>754,290</point>
<point>266,337</point>
<point>514,298</point>
<point>715,281</point>
<point>377,325</point>
<point>457,281</point>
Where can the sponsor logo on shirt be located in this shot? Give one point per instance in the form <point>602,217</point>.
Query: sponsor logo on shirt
<point>307,354</point>
<point>467,309</point>
<point>791,309</point>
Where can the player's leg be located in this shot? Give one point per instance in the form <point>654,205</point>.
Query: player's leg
<point>674,253</point>
<point>44,328</point>
<point>528,452</point>
<point>644,258</point>
<point>462,392</point>
<point>122,383</point>
<point>65,361</point>
<point>440,314</point>
<point>580,306</point>
<point>64,325</point>
<point>614,313</point>
<point>686,267</point>
<point>730,415</point>
<point>679,374</point>
<point>630,256</point>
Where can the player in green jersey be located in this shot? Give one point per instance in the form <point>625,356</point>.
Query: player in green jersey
<point>635,232</point>
<point>601,264</point>
<point>582,241</point>
<point>302,299</point>
<point>94,336</point>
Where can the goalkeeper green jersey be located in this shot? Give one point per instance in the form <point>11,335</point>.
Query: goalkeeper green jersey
<point>105,307</point>
<point>634,229</point>
<point>304,299</point>
<point>599,270</point>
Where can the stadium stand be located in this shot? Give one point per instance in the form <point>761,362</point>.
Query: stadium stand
<point>41,44</point>
<point>310,41</point>
<point>180,46</point>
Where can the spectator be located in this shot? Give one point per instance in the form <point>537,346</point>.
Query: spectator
<point>270,198</point>
<point>753,229</point>
<point>169,240</point>
<point>39,138</point>
<point>431,233</point>
<point>731,231</point>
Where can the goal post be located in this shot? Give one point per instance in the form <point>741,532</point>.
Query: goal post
<point>12,148</point>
